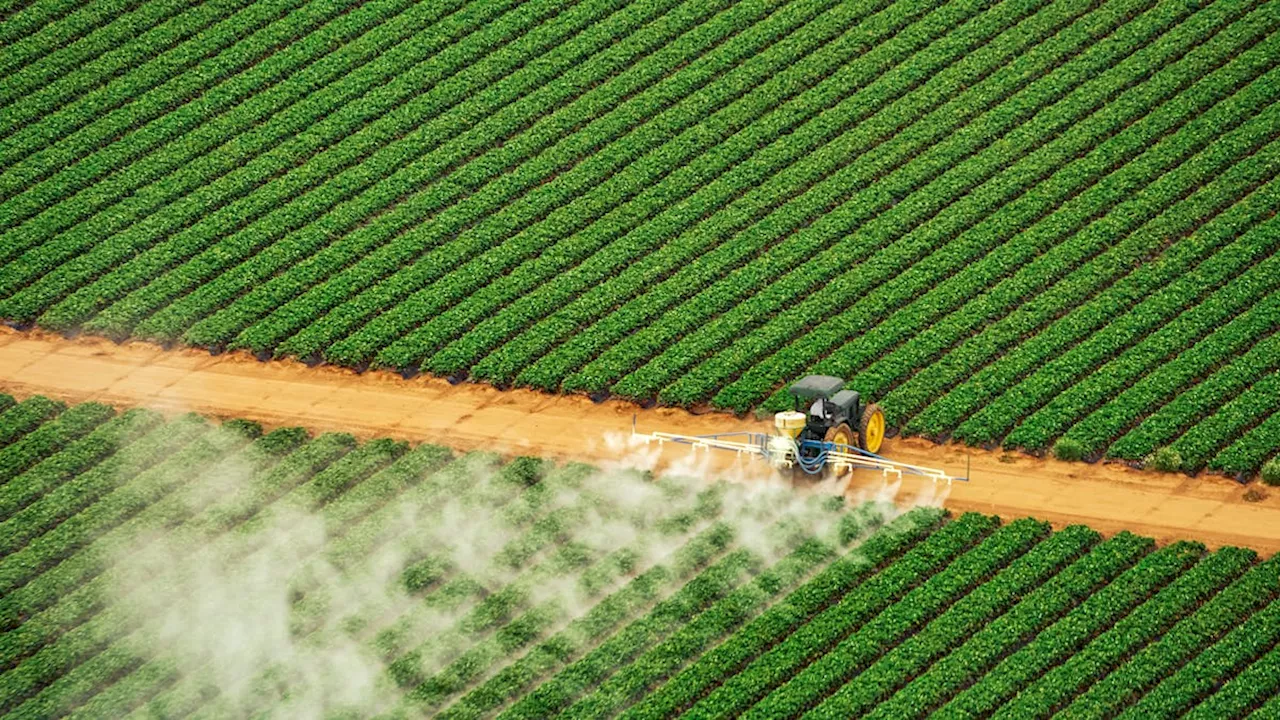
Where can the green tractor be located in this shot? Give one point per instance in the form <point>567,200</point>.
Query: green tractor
<point>824,412</point>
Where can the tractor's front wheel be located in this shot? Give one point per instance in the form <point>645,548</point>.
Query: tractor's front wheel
<point>871,428</point>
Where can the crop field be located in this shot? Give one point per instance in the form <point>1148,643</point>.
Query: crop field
<point>1009,221</point>
<point>175,567</point>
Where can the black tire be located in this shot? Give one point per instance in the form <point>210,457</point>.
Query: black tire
<point>843,435</point>
<point>871,428</point>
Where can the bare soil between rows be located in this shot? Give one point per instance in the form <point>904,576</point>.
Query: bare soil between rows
<point>1108,497</point>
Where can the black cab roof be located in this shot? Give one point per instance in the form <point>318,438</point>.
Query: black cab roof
<point>817,386</point>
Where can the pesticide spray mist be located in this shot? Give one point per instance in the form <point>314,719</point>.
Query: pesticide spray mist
<point>305,610</point>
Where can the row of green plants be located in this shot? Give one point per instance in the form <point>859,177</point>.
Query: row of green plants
<point>1143,670</point>
<point>1040,227</point>
<point>969,660</point>
<point>195,132</point>
<point>958,244</point>
<point>552,347</point>
<point>930,602</point>
<point>25,21</point>
<point>814,639</point>
<point>102,111</point>
<point>83,36</point>
<point>134,191</point>
<point>415,159</point>
<point>519,130</point>
<point>905,164</point>
<point>908,233</point>
<point>1175,690</point>
<point>707,115</point>
<point>1192,405</point>
<point>702,187</point>
<point>967,616</point>
<point>1056,688</point>
<point>774,624</point>
<point>640,91</point>
<point>1146,385</point>
<point>981,413</point>
<point>959,618</point>
<point>1238,295</point>
<point>267,195</point>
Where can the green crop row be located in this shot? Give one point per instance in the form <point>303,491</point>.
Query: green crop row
<point>665,617</point>
<point>454,679</point>
<point>349,509</point>
<point>810,641</point>
<point>49,85</point>
<point>1242,693</point>
<point>704,185</point>
<point>1226,177</point>
<point>708,114</point>
<point>1239,309</point>
<point>870,212</point>
<point>971,614</point>
<point>783,618</point>
<point>920,232</point>
<point>613,311</point>
<point>1033,228</point>
<point>354,134</point>
<point>105,630</point>
<point>355,187</point>
<point>24,21</point>
<point>22,454</point>
<point>629,684</point>
<point>406,95</point>
<point>562,648</point>
<point>1199,444</point>
<point>978,655</point>
<point>73,585</point>
<point>1232,338</point>
<point>64,27</point>
<point>1197,402</point>
<point>25,417</point>
<point>1057,687</point>
<point>1055,644</point>
<point>56,533</point>
<point>1252,449</point>
<point>657,250</point>
<point>853,656</point>
<point>618,104</point>
<point>87,43</point>
<point>223,80</point>
<point>1199,676</point>
<point>197,131</point>
<point>88,470</point>
<point>105,111</point>
<point>1046,235</point>
<point>1234,606</point>
<point>512,134</point>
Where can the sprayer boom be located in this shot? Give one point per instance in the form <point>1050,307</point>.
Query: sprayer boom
<point>814,457</point>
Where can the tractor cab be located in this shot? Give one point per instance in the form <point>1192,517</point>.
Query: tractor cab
<point>824,411</point>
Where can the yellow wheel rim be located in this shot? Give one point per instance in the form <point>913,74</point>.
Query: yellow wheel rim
<point>842,438</point>
<point>875,431</point>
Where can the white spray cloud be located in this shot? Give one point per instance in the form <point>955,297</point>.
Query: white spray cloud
<point>277,615</point>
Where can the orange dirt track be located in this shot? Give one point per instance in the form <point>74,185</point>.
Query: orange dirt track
<point>467,416</point>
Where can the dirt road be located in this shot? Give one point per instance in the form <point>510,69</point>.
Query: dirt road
<point>1107,497</point>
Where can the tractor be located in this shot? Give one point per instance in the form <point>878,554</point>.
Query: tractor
<point>823,411</point>
<point>828,431</point>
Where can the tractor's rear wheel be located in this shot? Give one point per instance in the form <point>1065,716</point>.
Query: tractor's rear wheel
<point>871,428</point>
<point>841,434</point>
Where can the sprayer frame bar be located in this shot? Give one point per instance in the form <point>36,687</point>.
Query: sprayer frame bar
<point>761,444</point>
